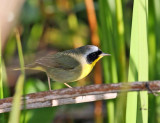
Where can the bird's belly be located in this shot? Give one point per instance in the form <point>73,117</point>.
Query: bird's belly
<point>61,75</point>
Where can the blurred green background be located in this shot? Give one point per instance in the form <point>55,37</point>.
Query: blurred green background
<point>47,26</point>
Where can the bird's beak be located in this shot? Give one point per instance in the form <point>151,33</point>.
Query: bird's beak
<point>105,54</point>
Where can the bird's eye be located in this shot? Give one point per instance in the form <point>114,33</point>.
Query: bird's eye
<point>93,54</point>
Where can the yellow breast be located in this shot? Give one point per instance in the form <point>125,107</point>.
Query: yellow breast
<point>86,68</point>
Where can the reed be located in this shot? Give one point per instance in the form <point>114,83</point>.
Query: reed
<point>137,103</point>
<point>15,111</point>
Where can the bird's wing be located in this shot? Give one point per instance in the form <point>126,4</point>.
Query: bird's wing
<point>58,60</point>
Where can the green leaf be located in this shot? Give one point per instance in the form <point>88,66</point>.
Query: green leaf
<point>15,112</point>
<point>107,30</point>
<point>120,42</point>
<point>16,105</point>
<point>138,64</point>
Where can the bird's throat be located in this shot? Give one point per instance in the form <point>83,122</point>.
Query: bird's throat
<point>87,68</point>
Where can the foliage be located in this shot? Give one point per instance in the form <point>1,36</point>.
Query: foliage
<point>51,26</point>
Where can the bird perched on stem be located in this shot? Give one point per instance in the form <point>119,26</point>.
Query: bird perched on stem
<point>70,65</point>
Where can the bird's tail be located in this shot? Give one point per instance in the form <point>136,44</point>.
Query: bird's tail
<point>32,67</point>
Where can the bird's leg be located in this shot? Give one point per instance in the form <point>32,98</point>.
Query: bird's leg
<point>67,85</point>
<point>49,83</point>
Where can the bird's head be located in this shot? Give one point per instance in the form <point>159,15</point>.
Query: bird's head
<point>92,53</point>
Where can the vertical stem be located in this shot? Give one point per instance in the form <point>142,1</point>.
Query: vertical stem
<point>121,64</point>
<point>138,64</point>
<point>16,104</point>
<point>107,43</point>
<point>121,42</point>
<point>92,22</point>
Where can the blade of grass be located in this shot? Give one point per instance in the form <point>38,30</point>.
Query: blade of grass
<point>120,42</point>
<point>157,27</point>
<point>143,60</point>
<point>152,58</point>
<point>104,40</point>
<point>138,64</point>
<point>15,112</point>
<point>121,64</point>
<point>107,43</point>
<point>152,42</point>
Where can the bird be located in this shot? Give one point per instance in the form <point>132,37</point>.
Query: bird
<point>69,65</point>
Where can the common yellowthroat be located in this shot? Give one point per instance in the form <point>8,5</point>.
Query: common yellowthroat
<point>70,65</point>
